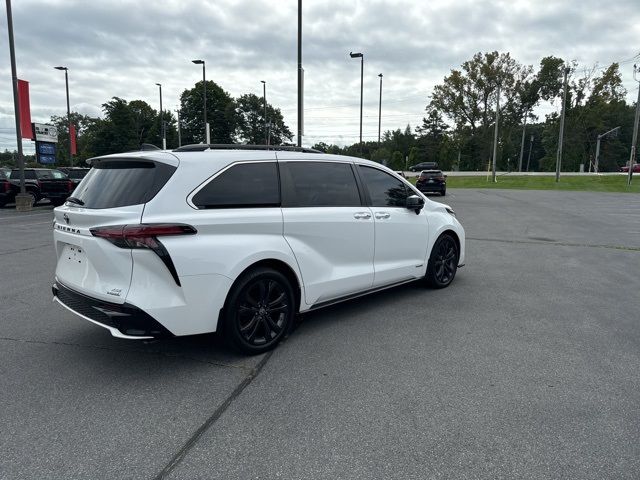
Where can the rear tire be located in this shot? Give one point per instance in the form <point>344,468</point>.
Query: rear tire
<point>34,197</point>
<point>56,202</point>
<point>443,192</point>
<point>443,262</point>
<point>259,311</point>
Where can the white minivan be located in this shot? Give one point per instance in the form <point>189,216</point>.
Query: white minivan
<point>240,239</point>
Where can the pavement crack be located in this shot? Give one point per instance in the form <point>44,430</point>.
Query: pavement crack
<point>26,249</point>
<point>557,243</point>
<point>129,350</point>
<point>181,454</point>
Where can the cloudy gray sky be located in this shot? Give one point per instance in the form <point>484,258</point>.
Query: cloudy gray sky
<point>122,48</point>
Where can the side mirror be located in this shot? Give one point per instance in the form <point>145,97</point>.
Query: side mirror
<point>414,202</point>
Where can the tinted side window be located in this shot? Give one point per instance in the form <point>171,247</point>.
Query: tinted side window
<point>28,175</point>
<point>241,186</point>
<point>384,190</point>
<point>322,184</point>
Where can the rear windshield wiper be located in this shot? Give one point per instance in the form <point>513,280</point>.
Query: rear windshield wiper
<point>75,200</point>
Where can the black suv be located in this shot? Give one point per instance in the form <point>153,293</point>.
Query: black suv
<point>432,181</point>
<point>44,183</point>
<point>423,166</point>
<point>75,174</point>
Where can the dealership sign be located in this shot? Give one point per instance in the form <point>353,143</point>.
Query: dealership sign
<point>45,133</point>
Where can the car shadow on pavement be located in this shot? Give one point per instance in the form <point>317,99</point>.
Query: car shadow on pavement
<point>207,348</point>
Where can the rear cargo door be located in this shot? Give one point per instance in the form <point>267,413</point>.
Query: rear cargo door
<point>112,194</point>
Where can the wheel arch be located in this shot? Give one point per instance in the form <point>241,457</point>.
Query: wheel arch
<point>281,266</point>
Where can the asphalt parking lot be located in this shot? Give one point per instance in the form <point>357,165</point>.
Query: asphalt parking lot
<point>528,366</point>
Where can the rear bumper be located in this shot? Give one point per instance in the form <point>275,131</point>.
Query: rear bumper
<point>122,320</point>
<point>433,187</point>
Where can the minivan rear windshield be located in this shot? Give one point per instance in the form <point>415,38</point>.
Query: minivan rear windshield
<point>119,183</point>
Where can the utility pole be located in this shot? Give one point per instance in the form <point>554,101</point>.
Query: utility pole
<point>561,137</point>
<point>380,110</point>
<point>495,136</point>
<point>632,157</point>
<point>529,156</point>
<point>23,201</point>
<point>524,127</point>
<point>300,92</point>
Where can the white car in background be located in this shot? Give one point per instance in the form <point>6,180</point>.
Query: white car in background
<point>241,239</point>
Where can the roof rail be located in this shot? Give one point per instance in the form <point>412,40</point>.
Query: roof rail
<point>201,147</point>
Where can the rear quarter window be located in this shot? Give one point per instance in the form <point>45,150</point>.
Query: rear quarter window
<point>120,183</point>
<point>244,185</point>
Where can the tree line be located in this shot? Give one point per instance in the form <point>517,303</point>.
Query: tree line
<point>456,131</point>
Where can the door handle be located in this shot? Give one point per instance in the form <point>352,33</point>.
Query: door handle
<point>381,215</point>
<point>361,215</point>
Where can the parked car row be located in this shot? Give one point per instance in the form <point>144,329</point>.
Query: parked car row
<point>41,183</point>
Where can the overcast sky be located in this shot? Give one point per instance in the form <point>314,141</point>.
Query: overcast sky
<point>122,48</point>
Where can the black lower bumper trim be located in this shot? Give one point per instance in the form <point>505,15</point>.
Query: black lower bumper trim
<point>126,318</point>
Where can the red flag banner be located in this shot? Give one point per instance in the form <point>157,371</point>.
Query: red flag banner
<point>72,132</point>
<point>26,131</point>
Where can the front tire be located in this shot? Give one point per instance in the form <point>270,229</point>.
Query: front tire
<point>443,262</point>
<point>259,311</point>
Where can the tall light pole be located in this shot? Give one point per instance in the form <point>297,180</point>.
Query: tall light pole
<point>300,79</point>
<point>530,148</point>
<point>524,127</point>
<point>561,137</point>
<point>207,134</point>
<point>179,129</point>
<point>361,57</point>
<point>380,110</point>
<point>66,82</point>
<point>162,130</point>
<point>600,137</point>
<point>23,201</point>
<point>264,100</point>
<point>495,137</point>
<point>634,141</point>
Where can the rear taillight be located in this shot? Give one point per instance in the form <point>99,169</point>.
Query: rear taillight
<point>6,186</point>
<point>140,236</point>
<point>70,186</point>
<point>440,178</point>
<point>145,236</point>
<point>39,183</point>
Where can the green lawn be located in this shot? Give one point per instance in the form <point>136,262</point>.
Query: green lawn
<point>609,183</point>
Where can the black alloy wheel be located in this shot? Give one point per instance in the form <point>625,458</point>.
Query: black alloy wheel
<point>443,262</point>
<point>259,311</point>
